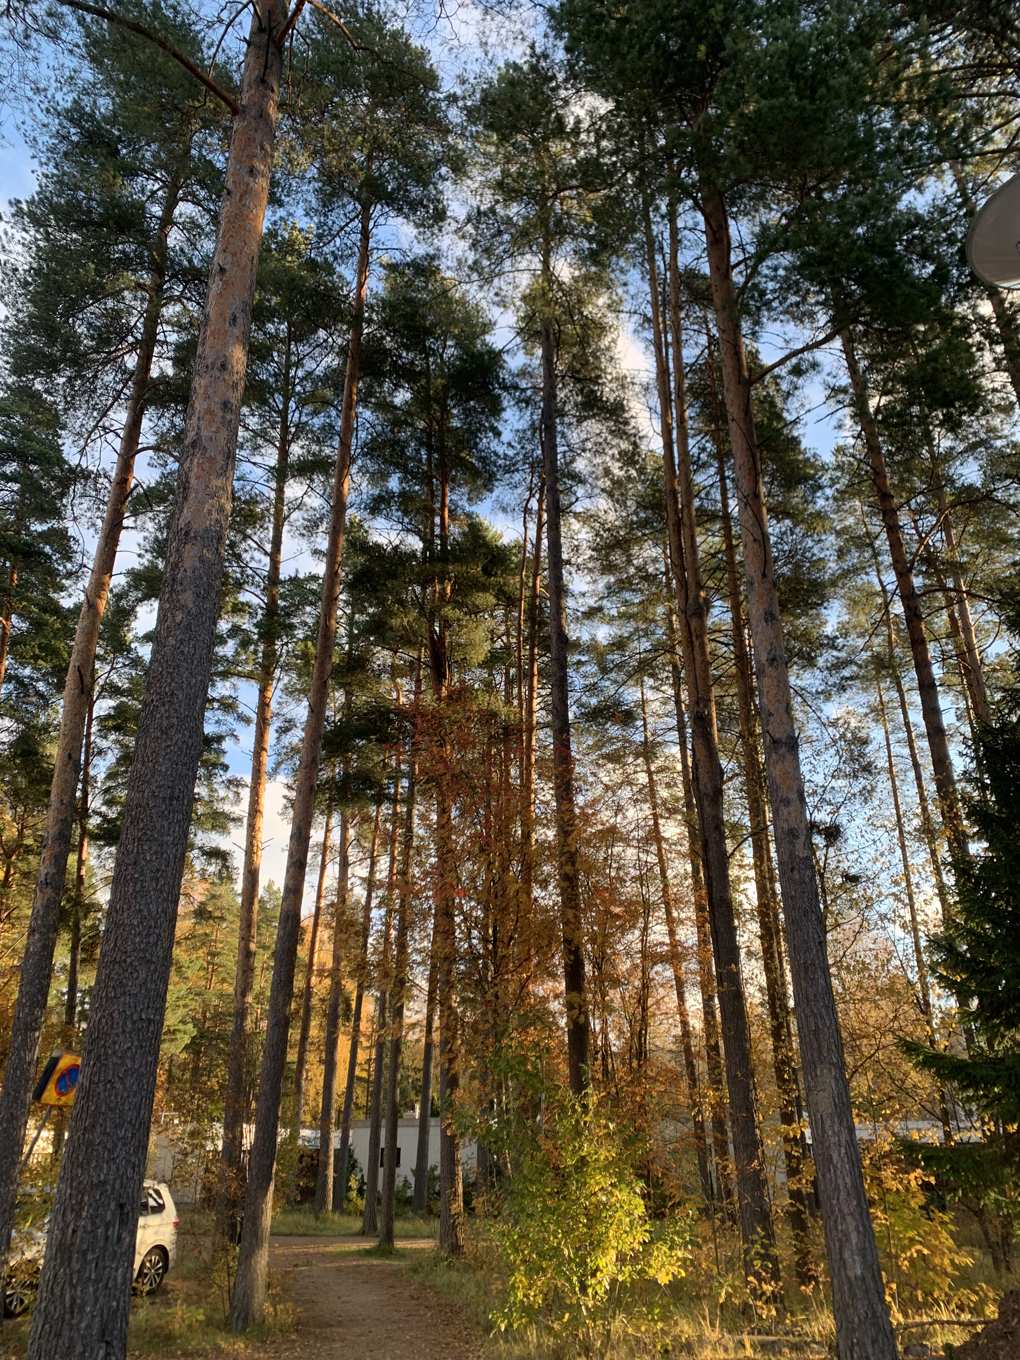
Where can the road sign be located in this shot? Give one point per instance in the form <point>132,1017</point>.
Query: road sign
<point>59,1079</point>
<point>993,243</point>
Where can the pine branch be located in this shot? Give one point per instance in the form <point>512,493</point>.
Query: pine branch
<point>98,12</point>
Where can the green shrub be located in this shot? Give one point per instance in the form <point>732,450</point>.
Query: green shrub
<point>574,1231</point>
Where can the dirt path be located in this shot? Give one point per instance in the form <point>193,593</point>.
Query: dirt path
<point>350,1307</point>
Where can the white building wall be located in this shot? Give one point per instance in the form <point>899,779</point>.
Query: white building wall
<point>407,1145</point>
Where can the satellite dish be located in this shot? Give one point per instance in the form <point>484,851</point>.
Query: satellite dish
<point>993,242</point>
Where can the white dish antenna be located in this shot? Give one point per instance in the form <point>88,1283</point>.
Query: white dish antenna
<point>993,242</point>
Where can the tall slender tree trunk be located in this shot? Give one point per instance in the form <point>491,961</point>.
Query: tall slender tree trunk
<point>327,1110</point>
<point>769,926</point>
<point>920,963</point>
<point>676,961</point>
<point>248,1303</point>
<point>421,1161</point>
<point>370,1219</point>
<point>957,601</point>
<point>44,922</point>
<point>530,723</point>
<point>927,686</point>
<point>7,620</point>
<point>82,1304</point>
<point>340,1185</point>
<point>571,921</point>
<point>301,1061</point>
<point>402,935</point>
<point>706,969</point>
<point>78,904</point>
<point>863,1327</point>
<point>754,1211</point>
<point>230,1189</point>
<point>927,821</point>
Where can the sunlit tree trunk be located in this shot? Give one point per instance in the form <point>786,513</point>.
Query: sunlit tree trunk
<point>403,928</point>
<point>421,1161</point>
<point>574,1000</point>
<point>769,926</point>
<point>370,1218</point>
<point>301,1061</point>
<point>340,1185</point>
<point>78,699</point>
<point>863,1327</point>
<point>327,1110</point>
<point>230,1190</point>
<point>753,1206</point>
<point>248,1303</point>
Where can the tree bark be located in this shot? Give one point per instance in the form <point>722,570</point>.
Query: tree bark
<point>82,1305</point>
<point>754,1211</point>
<point>248,1303</point>
<point>370,1220</point>
<point>230,1189</point>
<point>78,905</point>
<point>327,1110</point>
<point>571,920</point>
<point>706,970</point>
<point>676,961</point>
<point>927,686</point>
<point>530,723</point>
<point>769,926</point>
<point>421,1162</point>
<point>301,1061</point>
<point>863,1327</point>
<point>340,1186</point>
<point>402,934</point>
<point>44,922</point>
<point>927,823</point>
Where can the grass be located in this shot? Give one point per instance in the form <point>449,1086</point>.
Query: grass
<point>302,1222</point>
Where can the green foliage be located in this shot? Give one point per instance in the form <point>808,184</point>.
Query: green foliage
<point>575,1233</point>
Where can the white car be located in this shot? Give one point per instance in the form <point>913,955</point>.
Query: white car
<point>155,1250</point>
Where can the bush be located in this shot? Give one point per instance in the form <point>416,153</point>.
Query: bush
<point>574,1230</point>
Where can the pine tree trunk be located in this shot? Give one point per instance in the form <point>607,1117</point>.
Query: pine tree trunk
<point>530,724</point>
<point>340,1185</point>
<point>37,958</point>
<point>7,622</point>
<point>927,823</point>
<point>927,686</point>
<point>769,926</point>
<point>421,1162</point>
<point>403,928</point>
<point>304,1031</point>
<point>706,970</point>
<point>574,999</point>
<point>249,1297</point>
<point>451,1187</point>
<point>82,1305</point>
<point>78,905</point>
<point>370,1220</point>
<point>676,962</point>
<point>230,1188</point>
<point>863,1328</point>
<point>754,1211</point>
<point>327,1110</point>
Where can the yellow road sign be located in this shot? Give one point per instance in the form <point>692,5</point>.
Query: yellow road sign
<point>59,1079</point>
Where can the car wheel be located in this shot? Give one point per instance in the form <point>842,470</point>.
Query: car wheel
<point>18,1297</point>
<point>151,1271</point>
